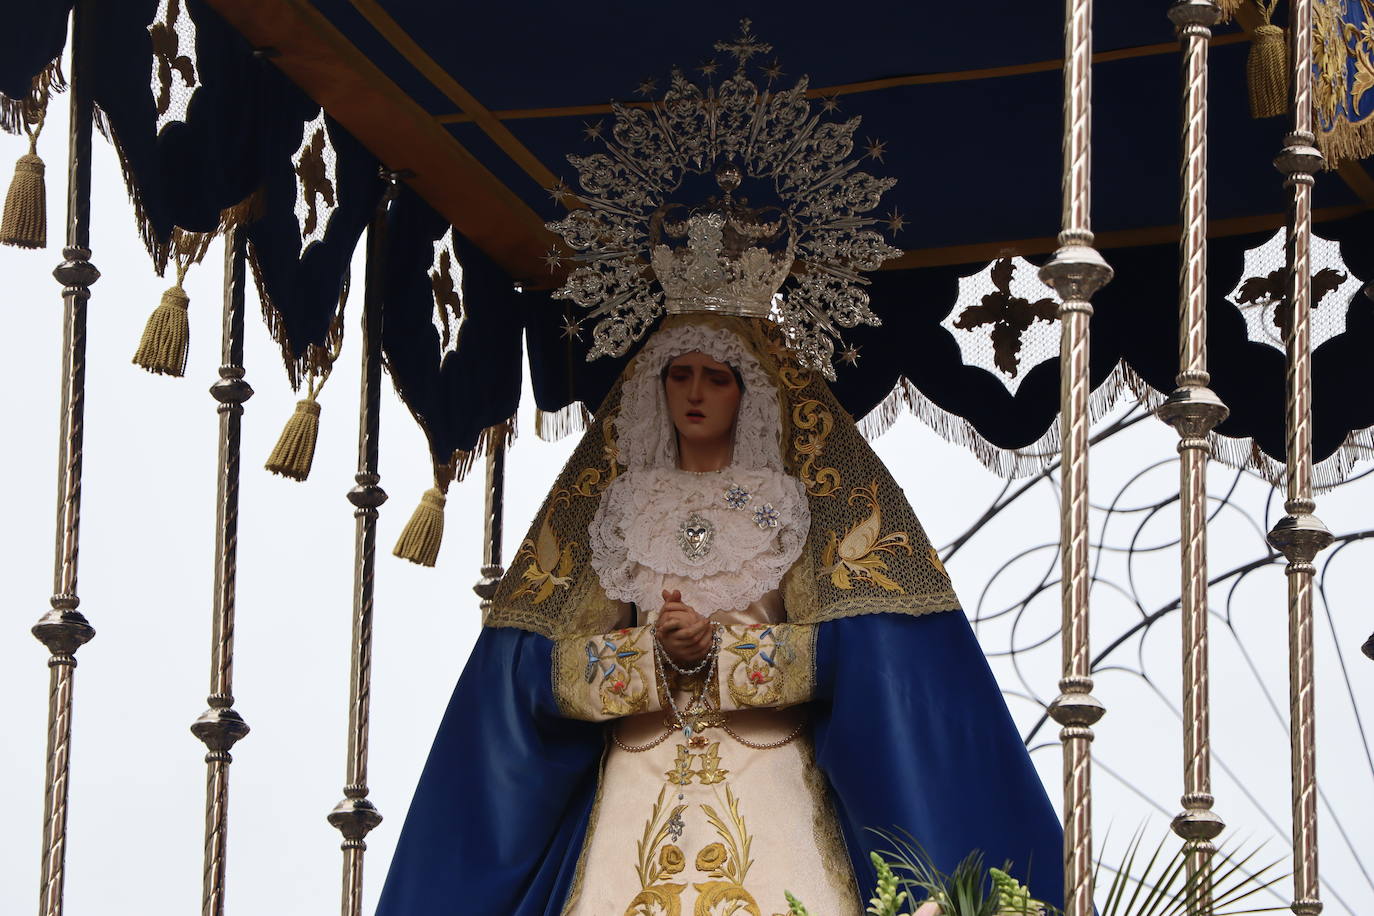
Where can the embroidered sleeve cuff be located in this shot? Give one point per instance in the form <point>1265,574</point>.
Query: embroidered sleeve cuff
<point>767,665</point>
<point>606,676</point>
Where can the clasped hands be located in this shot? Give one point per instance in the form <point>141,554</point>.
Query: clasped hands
<point>683,633</point>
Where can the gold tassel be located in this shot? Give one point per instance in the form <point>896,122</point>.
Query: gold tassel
<point>294,452</point>
<point>420,539</point>
<point>25,221</point>
<point>295,449</point>
<point>1267,67</point>
<point>167,335</point>
<point>25,224</point>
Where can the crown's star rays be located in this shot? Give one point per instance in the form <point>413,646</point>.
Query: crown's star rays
<point>745,46</point>
<point>789,254</point>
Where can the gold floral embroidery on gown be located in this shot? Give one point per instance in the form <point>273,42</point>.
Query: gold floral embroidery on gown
<point>723,864</point>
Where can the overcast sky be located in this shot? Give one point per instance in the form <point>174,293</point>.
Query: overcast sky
<point>137,778</point>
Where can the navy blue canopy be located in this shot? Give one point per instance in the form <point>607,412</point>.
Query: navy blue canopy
<point>479,104</point>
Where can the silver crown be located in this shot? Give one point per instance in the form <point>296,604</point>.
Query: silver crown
<point>641,249</point>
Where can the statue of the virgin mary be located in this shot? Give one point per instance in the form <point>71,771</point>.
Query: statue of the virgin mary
<point>726,652</point>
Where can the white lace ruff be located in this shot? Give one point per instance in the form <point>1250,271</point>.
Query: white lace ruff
<point>634,535</point>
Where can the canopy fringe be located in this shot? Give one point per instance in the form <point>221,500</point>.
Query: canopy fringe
<point>1346,142</point>
<point>15,112</point>
<point>1006,463</point>
<point>550,426</point>
<point>246,211</point>
<point>1229,8</point>
<point>158,249</point>
<point>315,359</point>
<point>1240,453</point>
<point>1330,472</point>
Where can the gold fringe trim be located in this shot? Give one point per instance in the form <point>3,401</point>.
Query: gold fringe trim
<point>552,426</point>
<point>1266,69</point>
<point>315,359</point>
<point>1346,142</point>
<point>294,452</point>
<point>461,462</point>
<point>1229,8</point>
<point>424,533</point>
<point>15,113</point>
<point>245,211</point>
<point>167,335</point>
<point>157,249</point>
<point>25,221</point>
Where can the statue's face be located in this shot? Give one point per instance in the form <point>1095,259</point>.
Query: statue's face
<point>703,398</point>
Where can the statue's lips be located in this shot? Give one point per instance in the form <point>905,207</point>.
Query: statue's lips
<point>695,416</point>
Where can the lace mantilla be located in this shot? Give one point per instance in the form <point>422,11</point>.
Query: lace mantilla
<point>636,550</point>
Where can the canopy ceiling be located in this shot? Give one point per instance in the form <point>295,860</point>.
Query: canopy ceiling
<point>478,105</point>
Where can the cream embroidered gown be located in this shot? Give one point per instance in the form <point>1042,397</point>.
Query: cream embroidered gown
<point>721,827</point>
<point>726,821</point>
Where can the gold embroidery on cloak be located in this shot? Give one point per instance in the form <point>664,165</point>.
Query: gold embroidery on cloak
<point>551,561</point>
<point>593,481</point>
<point>813,423</point>
<point>857,556</point>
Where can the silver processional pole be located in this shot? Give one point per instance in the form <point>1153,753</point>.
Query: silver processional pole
<point>1076,272</point>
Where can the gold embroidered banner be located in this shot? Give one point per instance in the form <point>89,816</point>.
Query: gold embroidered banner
<point>1343,65</point>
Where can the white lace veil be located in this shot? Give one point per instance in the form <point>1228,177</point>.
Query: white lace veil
<point>644,431</point>
<point>633,537</point>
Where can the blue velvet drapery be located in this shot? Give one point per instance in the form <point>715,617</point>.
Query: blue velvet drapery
<point>910,730</point>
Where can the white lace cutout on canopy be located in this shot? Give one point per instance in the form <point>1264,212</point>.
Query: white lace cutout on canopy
<point>634,535</point>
